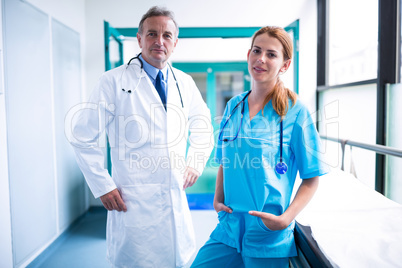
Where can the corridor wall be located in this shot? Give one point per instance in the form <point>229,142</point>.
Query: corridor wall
<point>42,77</point>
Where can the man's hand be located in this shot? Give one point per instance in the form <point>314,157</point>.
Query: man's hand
<point>190,177</point>
<point>113,201</point>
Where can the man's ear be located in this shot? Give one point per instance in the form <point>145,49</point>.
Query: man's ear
<point>175,43</point>
<point>139,40</point>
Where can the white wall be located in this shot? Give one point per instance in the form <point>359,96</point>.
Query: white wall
<point>6,259</point>
<point>308,54</point>
<point>68,12</point>
<point>42,190</point>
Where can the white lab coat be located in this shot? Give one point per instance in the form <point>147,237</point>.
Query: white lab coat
<point>148,154</point>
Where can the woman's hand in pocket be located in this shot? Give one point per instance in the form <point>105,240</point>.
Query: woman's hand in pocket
<point>222,207</point>
<point>271,221</point>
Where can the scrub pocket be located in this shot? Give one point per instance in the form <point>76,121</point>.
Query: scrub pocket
<point>263,226</point>
<point>221,214</point>
<point>144,205</point>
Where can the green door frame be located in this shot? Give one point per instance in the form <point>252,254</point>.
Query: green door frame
<point>294,28</point>
<point>232,32</point>
<point>203,32</point>
<point>211,68</point>
<point>118,37</point>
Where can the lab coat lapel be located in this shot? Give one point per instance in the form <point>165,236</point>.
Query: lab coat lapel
<point>151,91</point>
<point>173,98</point>
<point>177,126</point>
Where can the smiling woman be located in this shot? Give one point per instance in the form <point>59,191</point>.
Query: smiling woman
<point>256,217</point>
<point>266,61</point>
<point>269,57</point>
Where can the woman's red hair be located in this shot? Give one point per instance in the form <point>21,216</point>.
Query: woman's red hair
<point>280,95</point>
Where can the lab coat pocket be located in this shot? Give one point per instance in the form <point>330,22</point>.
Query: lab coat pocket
<point>144,205</point>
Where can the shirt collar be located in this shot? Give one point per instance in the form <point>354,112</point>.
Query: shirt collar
<point>153,71</point>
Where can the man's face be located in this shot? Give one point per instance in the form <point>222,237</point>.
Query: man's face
<point>157,40</point>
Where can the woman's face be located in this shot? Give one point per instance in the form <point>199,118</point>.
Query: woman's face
<point>266,60</point>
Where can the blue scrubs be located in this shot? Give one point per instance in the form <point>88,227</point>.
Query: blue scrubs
<point>250,181</point>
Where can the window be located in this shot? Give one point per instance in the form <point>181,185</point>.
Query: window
<point>353,38</point>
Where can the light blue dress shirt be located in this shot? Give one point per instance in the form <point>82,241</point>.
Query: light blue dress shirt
<point>152,72</point>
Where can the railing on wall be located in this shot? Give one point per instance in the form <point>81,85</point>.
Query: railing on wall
<point>379,149</point>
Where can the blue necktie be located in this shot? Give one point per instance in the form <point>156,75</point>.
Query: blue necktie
<point>161,88</point>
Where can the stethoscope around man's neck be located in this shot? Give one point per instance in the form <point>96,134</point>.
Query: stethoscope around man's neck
<point>142,69</point>
<point>281,166</point>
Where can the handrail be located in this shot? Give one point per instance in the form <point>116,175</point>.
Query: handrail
<point>380,149</point>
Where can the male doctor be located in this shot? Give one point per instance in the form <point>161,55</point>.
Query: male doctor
<point>148,109</point>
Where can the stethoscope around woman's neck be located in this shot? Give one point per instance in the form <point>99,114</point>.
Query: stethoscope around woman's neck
<point>281,166</point>
<point>142,69</point>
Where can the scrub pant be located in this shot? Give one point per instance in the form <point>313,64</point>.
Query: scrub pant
<point>217,254</point>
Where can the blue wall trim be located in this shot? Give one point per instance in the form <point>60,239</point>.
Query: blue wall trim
<point>200,201</point>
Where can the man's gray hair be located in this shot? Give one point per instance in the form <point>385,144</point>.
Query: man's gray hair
<point>156,11</point>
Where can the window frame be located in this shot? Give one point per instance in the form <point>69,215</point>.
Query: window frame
<point>387,68</point>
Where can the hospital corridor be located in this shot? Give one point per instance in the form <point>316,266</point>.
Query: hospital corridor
<point>172,133</point>
<point>85,244</point>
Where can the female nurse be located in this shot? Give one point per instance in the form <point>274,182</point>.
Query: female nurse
<point>266,136</point>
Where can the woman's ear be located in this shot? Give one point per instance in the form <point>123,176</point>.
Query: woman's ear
<point>285,66</point>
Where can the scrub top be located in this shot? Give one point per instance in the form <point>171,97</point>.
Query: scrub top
<point>249,178</point>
